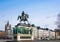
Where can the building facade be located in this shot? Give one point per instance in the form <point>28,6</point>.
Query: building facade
<point>57,33</point>
<point>35,32</point>
<point>43,33</point>
<point>8,29</point>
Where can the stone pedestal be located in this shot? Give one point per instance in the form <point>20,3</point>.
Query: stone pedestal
<point>18,37</point>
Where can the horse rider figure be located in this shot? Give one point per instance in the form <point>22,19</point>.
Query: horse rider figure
<point>24,17</point>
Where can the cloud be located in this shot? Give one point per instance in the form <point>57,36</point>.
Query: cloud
<point>45,22</point>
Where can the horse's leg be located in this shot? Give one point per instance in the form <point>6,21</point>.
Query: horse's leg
<point>28,21</point>
<point>24,22</point>
<point>20,21</point>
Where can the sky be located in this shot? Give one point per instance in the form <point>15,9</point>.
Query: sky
<point>42,13</point>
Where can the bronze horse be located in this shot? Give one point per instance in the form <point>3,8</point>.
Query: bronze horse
<point>24,17</point>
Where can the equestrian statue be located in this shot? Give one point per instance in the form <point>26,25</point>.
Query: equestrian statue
<point>24,17</point>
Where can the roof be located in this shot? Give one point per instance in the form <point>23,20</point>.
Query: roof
<point>57,30</point>
<point>45,29</point>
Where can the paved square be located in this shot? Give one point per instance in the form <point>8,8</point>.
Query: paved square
<point>47,41</point>
<point>33,41</point>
